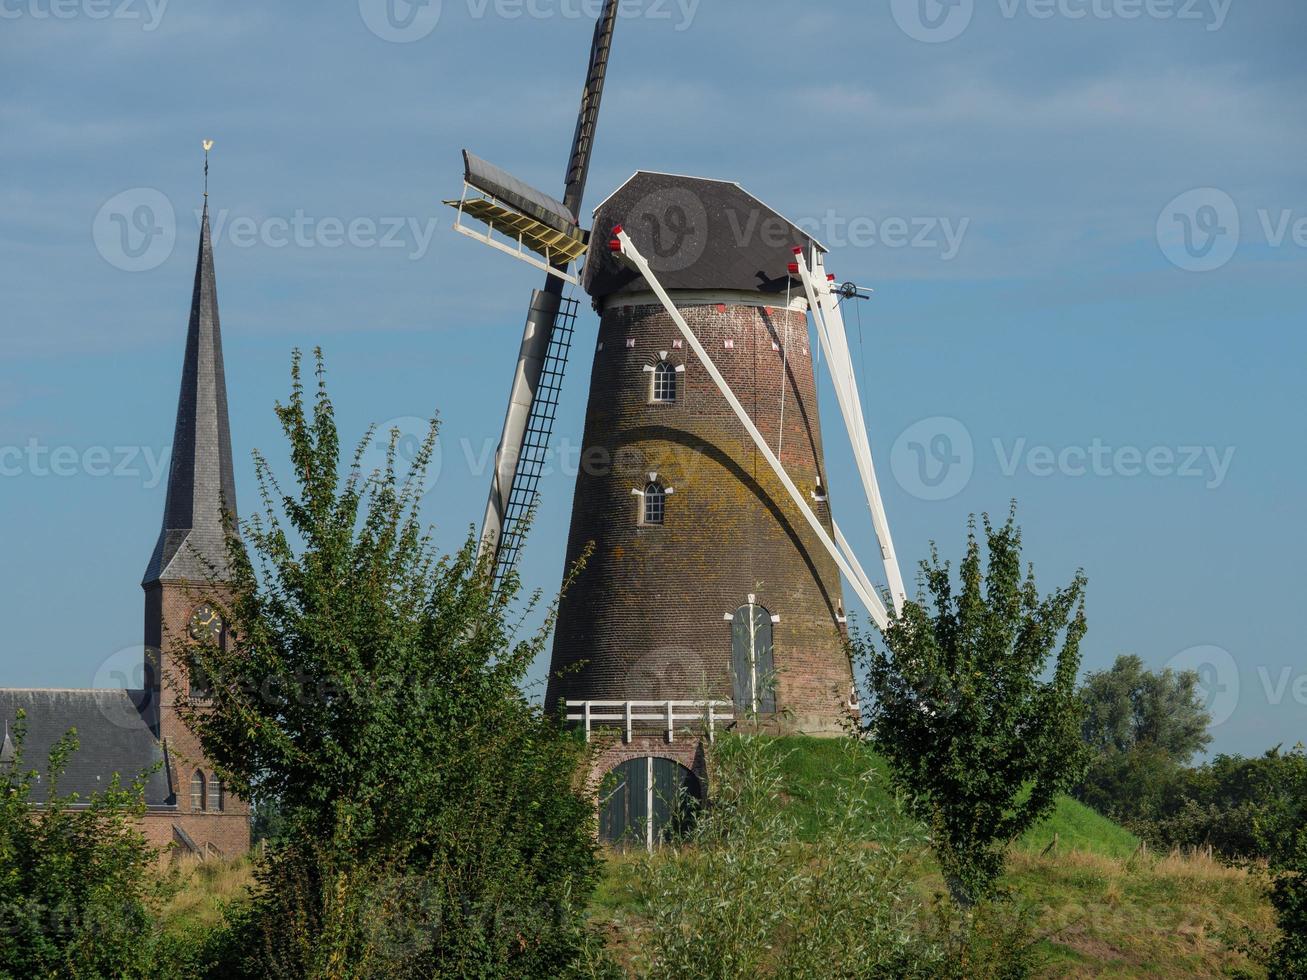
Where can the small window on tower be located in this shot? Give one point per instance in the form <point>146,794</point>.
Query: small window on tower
<point>215,792</point>
<point>654,507</point>
<point>664,382</point>
<point>197,792</point>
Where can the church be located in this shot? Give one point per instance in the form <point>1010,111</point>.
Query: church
<point>129,732</point>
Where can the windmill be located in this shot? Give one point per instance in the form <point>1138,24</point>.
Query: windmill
<point>545,233</point>
<point>716,580</point>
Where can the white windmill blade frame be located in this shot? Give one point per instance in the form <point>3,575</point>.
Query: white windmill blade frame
<point>834,341</point>
<point>843,542</point>
<point>868,596</point>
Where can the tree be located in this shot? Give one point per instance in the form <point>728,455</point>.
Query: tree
<point>975,734</point>
<point>77,892</point>
<point>432,821</point>
<point>1289,896</point>
<point>1128,707</point>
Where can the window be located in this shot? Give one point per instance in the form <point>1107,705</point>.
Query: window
<point>215,793</point>
<point>654,504</point>
<point>197,792</point>
<point>664,382</point>
<point>200,684</point>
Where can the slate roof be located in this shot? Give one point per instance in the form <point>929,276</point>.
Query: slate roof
<point>112,735</point>
<point>698,234</point>
<point>201,480</point>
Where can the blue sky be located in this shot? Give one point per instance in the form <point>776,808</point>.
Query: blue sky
<point>1085,222</point>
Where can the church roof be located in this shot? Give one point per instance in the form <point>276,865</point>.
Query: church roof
<point>113,737</point>
<point>698,234</point>
<point>201,481</point>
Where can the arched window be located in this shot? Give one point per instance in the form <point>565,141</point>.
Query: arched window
<point>215,793</point>
<point>664,382</point>
<point>654,507</point>
<point>200,685</point>
<point>198,788</point>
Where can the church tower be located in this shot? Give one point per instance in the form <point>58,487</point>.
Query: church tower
<point>185,581</point>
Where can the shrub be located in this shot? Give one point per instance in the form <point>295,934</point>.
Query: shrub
<point>78,893</point>
<point>975,707</point>
<point>741,896</point>
<point>431,822</point>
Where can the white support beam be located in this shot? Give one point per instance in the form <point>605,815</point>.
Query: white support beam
<point>852,555</point>
<point>834,341</point>
<point>868,596</point>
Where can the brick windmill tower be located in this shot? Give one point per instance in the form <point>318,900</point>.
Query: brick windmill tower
<point>705,579</point>
<point>714,585</point>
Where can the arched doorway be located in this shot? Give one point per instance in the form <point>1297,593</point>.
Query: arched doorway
<point>645,801</point>
<point>752,659</point>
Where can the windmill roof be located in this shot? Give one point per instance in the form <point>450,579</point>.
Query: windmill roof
<point>698,233</point>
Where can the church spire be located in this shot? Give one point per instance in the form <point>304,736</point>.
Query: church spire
<point>201,481</point>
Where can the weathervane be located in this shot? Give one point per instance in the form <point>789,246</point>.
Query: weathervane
<point>208,145</point>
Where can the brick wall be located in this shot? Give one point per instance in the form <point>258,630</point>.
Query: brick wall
<point>645,619</point>
<point>168,611</point>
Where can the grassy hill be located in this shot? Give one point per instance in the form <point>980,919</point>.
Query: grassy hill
<point>1104,905</point>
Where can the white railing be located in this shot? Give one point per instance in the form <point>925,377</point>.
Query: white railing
<point>590,713</point>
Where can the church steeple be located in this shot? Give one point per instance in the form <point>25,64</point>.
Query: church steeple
<point>201,481</point>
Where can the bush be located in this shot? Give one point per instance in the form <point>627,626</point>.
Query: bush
<point>430,818</point>
<point>78,892</point>
<point>974,705</point>
<point>741,896</point>
<point>1289,958</point>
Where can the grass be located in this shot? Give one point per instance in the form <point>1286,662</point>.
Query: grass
<point>205,887</point>
<point>1103,906</point>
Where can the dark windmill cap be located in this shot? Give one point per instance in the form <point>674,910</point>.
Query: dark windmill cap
<point>697,234</point>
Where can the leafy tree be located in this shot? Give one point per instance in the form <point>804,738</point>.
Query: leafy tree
<point>1289,958</point>
<point>1131,786</point>
<point>1128,706</point>
<point>975,729</point>
<point>78,895</point>
<point>432,824</point>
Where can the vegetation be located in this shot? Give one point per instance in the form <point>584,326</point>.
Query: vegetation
<point>430,822</point>
<point>1092,904</point>
<point>420,818</point>
<point>740,898</point>
<point>975,737</point>
<point>77,898</point>
<point>1289,957</point>
<point>1128,707</point>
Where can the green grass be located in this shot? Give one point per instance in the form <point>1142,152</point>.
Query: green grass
<point>815,767</point>
<point>1103,906</point>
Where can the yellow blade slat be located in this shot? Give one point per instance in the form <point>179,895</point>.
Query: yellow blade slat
<point>535,235</point>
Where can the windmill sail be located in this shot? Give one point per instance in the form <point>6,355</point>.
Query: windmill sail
<point>542,359</point>
<point>516,212</point>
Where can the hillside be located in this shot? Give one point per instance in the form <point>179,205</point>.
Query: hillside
<point>1104,906</point>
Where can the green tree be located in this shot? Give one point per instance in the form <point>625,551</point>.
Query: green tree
<point>1289,958</point>
<point>78,896</point>
<point>977,730</point>
<point>1128,707</point>
<point>432,824</point>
